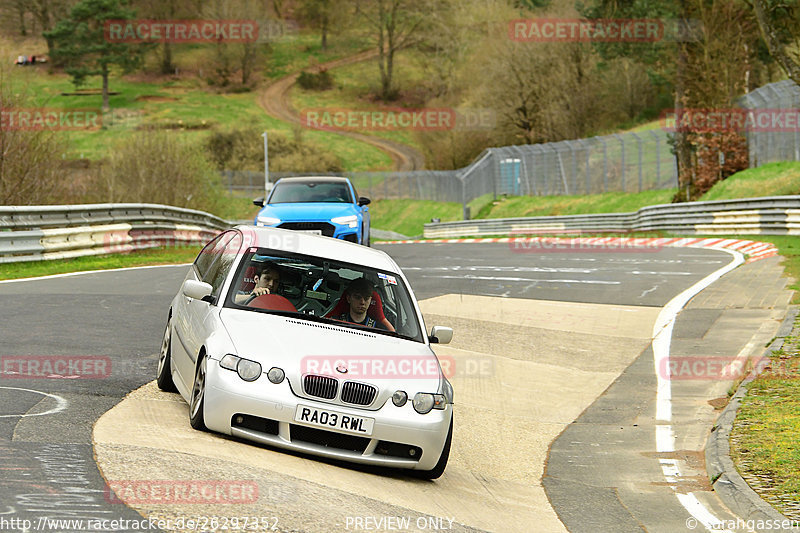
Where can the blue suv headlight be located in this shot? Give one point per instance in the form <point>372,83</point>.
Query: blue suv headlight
<point>349,220</point>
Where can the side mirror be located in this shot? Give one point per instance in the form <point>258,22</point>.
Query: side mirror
<point>441,335</point>
<point>259,201</point>
<point>363,200</point>
<point>196,289</point>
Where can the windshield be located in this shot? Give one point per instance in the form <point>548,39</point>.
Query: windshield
<point>318,289</point>
<point>291,192</point>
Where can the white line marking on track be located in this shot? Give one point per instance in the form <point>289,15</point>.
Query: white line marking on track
<point>664,434</point>
<point>70,274</point>
<point>61,403</point>
<point>498,278</point>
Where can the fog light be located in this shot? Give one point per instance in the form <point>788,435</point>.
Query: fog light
<point>399,398</point>
<point>275,375</point>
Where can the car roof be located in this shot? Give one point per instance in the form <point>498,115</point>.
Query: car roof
<point>317,245</point>
<point>316,179</point>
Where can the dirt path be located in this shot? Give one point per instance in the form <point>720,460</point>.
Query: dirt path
<point>274,100</point>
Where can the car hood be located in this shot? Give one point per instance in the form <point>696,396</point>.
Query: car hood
<point>302,347</point>
<point>316,211</point>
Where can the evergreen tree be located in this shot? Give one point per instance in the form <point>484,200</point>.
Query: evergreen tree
<point>82,46</point>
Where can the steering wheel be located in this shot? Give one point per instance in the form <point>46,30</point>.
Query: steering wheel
<point>249,299</point>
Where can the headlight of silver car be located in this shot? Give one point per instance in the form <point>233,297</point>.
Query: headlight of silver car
<point>424,402</point>
<point>248,370</point>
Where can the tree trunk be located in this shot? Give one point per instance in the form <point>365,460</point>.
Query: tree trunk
<point>683,149</point>
<point>106,107</point>
<point>21,12</point>
<point>776,48</point>
<point>325,31</point>
<point>167,67</point>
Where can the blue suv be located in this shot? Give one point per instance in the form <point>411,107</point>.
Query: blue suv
<point>322,205</point>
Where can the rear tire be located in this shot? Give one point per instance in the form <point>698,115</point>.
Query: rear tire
<point>438,470</point>
<point>198,397</point>
<point>164,377</point>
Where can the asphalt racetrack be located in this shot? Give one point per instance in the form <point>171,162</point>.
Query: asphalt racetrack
<point>555,399</point>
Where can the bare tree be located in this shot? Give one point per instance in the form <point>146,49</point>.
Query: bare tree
<point>231,57</point>
<point>540,93</point>
<point>48,13</point>
<point>323,15</point>
<point>779,22</point>
<point>30,160</point>
<point>394,25</point>
<point>167,10</point>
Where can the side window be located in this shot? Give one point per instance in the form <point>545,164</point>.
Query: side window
<point>207,255</point>
<point>225,258</point>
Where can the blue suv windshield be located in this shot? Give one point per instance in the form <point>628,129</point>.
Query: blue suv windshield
<point>288,192</point>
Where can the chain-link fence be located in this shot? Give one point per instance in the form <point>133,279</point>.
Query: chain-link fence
<point>438,185</point>
<point>781,141</point>
<point>624,162</point>
<point>628,162</point>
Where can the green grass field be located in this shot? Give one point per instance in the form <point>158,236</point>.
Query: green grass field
<point>188,106</point>
<point>764,436</point>
<point>773,179</point>
<point>150,257</point>
<point>354,88</point>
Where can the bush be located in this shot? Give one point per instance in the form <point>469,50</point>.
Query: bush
<point>155,167</point>
<point>243,149</point>
<point>320,81</point>
<point>30,163</point>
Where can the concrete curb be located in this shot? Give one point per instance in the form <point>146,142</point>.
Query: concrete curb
<point>731,487</point>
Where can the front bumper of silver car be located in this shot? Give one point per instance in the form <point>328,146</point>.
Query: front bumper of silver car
<point>265,412</point>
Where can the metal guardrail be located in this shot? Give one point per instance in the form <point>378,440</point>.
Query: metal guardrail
<point>31,233</point>
<point>772,215</point>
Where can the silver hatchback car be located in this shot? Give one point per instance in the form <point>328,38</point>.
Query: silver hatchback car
<point>310,344</point>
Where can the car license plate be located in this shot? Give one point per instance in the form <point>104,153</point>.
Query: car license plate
<point>311,231</point>
<point>323,418</point>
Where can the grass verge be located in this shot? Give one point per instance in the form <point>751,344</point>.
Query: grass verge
<point>773,179</point>
<point>764,437</point>
<point>155,256</point>
<point>409,216</point>
<point>610,202</point>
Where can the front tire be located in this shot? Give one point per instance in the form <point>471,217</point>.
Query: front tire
<point>438,470</point>
<point>164,377</point>
<point>198,397</point>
